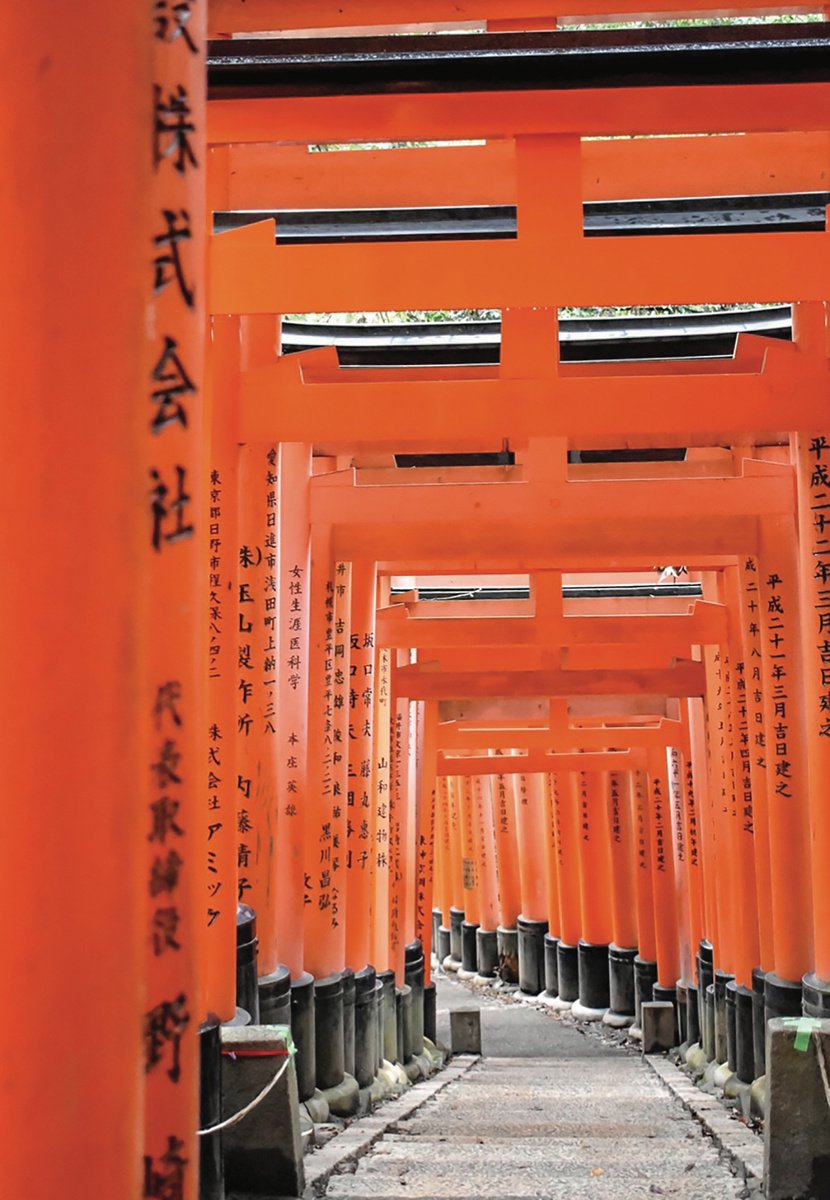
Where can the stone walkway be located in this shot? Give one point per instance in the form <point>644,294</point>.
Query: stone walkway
<point>547,1113</point>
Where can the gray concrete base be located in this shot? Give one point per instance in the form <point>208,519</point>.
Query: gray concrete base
<point>450,963</point>
<point>722,1075</point>
<point>758,1098</point>
<point>263,1153</point>
<point>560,1005</point>
<point>462,974</point>
<point>582,1013</point>
<point>616,1020</point>
<point>317,1108</point>
<point>635,1033</point>
<point>343,1098</point>
<point>548,1000</point>
<point>465,1031</point>
<point>797,1128</point>
<point>658,1020</point>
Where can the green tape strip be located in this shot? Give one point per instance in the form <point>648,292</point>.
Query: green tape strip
<point>285,1032</point>
<point>804,1027</point>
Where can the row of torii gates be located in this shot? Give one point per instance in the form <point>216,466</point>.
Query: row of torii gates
<point>224,691</point>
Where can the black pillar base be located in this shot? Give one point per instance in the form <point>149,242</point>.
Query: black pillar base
<point>782,998</point>
<point>508,944</point>
<point>531,955</point>
<point>731,1025</point>
<point>621,980</point>
<point>551,965</point>
<point>709,1022</point>
<point>487,953</point>
<point>430,1006</point>
<point>247,993</point>
<point>759,1022</point>
<point>721,980</point>
<point>328,1031</point>
<point>692,1014</point>
<point>442,944</point>
<point>414,978</point>
<point>468,947</point>
<point>379,1014</point>
<point>365,1027</point>
<point>816,997</point>
<point>456,921</point>
<point>275,997</point>
<point>592,960</point>
<point>705,977</point>
<point>388,1016</point>
<point>403,1013</point>
<point>744,1035</point>
<point>347,977</point>
<point>682,993</point>
<point>302,1031</point>
<point>567,972</point>
<point>211,1169</point>
<point>645,977</point>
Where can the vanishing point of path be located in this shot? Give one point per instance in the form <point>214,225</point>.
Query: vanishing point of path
<point>548,1112</point>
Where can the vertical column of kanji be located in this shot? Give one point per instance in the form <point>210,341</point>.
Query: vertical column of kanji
<point>681,862</point>
<point>470,876</point>
<point>692,835</point>
<point>255,696</point>
<point>663,882</point>
<point>507,852</point>
<point>175,687</point>
<point>813,467</point>
<point>292,699</point>
<point>645,964</point>
<point>398,788</point>
<point>340,754</point>
<point>360,799</point>
<point>530,827</point>
<point>380,846</point>
<point>221,814</point>
<point>744,891</point>
<point>750,623</point>
<point>721,796</point>
<point>321,940</point>
<point>488,882</point>
<point>566,816</point>
<point>74,539</point>
<point>551,796</point>
<point>789,826</point>
<point>410,846</point>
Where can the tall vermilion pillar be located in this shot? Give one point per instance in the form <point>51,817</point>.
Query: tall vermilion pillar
<point>74,487</point>
<point>531,839</point>
<point>380,840</point>
<point>640,812</point>
<point>324,945</point>
<point>595,857</point>
<point>486,853</point>
<point>507,853</point>
<point>427,841</point>
<point>360,800</point>
<point>174,692</point>
<point>220,814</point>
<point>552,856</point>
<point>472,915</point>
<point>623,870</point>
<point>663,881</point>
<point>398,833</point>
<point>566,815</point>
<point>750,621</point>
<point>294,595</point>
<point>789,825</point>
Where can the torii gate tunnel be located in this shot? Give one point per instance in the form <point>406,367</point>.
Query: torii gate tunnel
<point>415,539</point>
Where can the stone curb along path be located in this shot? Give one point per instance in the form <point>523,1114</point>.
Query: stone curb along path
<point>743,1148</point>
<point>359,1137</point>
